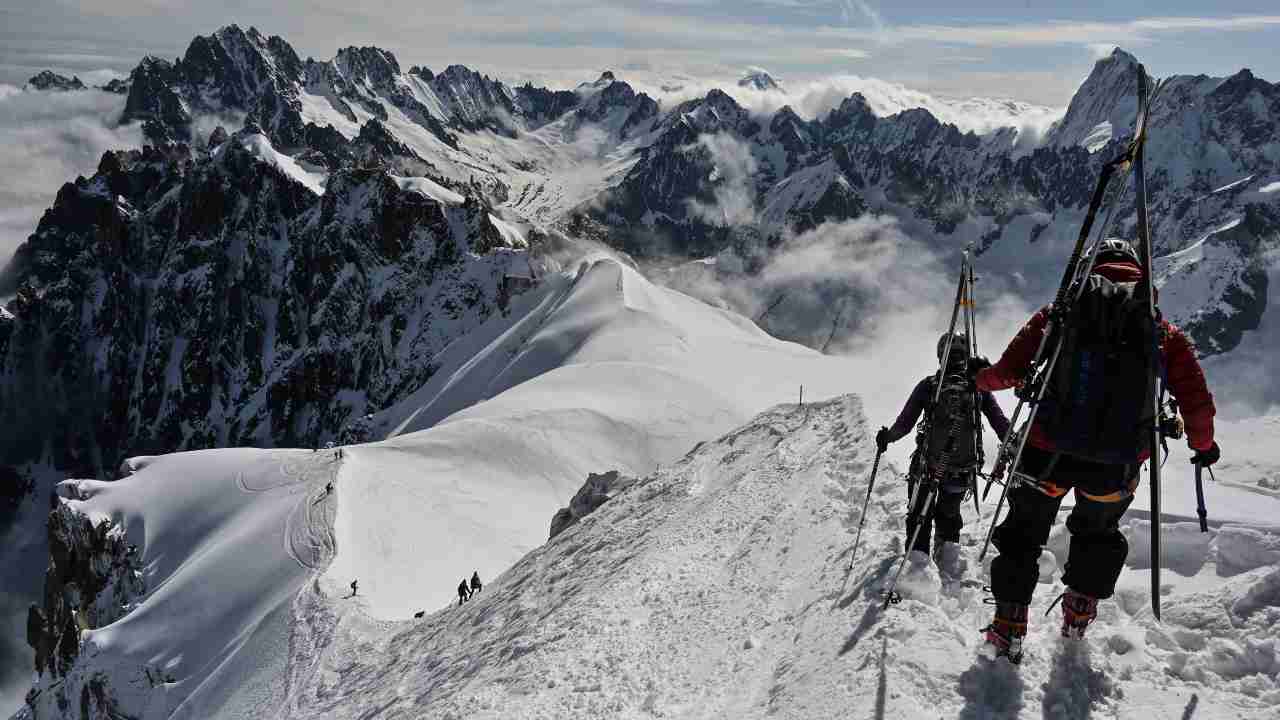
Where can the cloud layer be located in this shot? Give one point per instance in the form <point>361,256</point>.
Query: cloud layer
<point>47,139</point>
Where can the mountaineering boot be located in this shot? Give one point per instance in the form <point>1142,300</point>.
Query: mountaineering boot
<point>1007,629</point>
<point>1078,610</point>
<point>950,559</point>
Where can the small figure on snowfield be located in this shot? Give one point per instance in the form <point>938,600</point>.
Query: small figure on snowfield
<point>354,586</point>
<point>463,593</point>
<point>1092,441</point>
<point>475,582</point>
<point>955,402</point>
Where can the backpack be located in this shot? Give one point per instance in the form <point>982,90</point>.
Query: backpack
<point>1099,398</point>
<point>947,438</point>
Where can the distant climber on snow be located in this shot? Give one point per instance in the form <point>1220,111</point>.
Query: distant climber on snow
<point>952,422</point>
<point>463,593</point>
<point>475,582</point>
<point>354,586</point>
<point>1091,434</point>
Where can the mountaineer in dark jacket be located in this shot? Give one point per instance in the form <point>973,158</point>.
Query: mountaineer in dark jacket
<point>1103,490</point>
<point>963,462</point>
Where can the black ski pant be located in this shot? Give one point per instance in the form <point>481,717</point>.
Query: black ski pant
<point>1098,548</point>
<point>944,515</point>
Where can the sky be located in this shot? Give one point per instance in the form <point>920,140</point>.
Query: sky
<point>1023,49</point>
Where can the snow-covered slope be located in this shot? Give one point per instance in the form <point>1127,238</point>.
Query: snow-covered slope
<point>604,370</point>
<point>717,586</point>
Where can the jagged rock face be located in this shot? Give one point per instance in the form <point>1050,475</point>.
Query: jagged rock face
<point>153,101</point>
<point>596,491</point>
<point>49,80</point>
<point>117,86</point>
<point>1205,134</point>
<point>179,230</point>
<point>92,581</point>
<point>1108,95</point>
<point>540,106</point>
<point>173,302</point>
<point>376,146</point>
<point>1230,260</point>
<point>94,578</point>
<point>476,101</point>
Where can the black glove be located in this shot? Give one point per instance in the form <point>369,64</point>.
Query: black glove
<point>1205,458</point>
<point>882,440</point>
<point>976,365</point>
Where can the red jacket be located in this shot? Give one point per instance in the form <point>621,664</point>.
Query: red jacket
<point>1183,375</point>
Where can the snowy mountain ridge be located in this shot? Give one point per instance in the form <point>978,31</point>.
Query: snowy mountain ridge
<point>224,300</point>
<point>612,162</point>
<point>716,586</point>
<point>353,246</point>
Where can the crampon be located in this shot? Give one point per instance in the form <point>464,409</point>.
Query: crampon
<point>1007,631</point>
<point>1078,610</point>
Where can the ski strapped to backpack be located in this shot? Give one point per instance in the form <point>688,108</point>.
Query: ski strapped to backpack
<point>937,454</point>
<point>1075,281</point>
<point>971,329</point>
<point>1145,253</point>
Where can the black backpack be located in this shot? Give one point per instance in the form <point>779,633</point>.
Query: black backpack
<point>1098,401</point>
<point>948,435</point>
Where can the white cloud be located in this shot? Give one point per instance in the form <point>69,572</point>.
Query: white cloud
<point>47,139</point>
<point>888,293</point>
<point>732,179</point>
<point>1054,32</point>
<point>848,53</point>
<point>1101,50</point>
<point>815,98</point>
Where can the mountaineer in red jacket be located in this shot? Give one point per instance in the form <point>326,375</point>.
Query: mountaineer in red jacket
<point>1103,491</point>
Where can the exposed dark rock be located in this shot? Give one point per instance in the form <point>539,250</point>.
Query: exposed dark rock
<point>117,86</point>
<point>596,491</point>
<point>49,80</point>
<point>208,326</point>
<point>92,581</point>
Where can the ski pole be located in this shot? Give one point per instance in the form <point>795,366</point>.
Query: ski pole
<point>875,466</point>
<point>1200,509</point>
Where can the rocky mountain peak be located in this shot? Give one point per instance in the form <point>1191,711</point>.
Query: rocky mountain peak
<point>372,65</point>
<point>759,79</point>
<point>233,57</point>
<point>475,100</point>
<point>1104,106</point>
<point>49,80</point>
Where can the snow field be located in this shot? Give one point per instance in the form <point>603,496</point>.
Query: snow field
<point>261,148</point>
<point>600,370</point>
<point>718,587</point>
<point>226,539</point>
